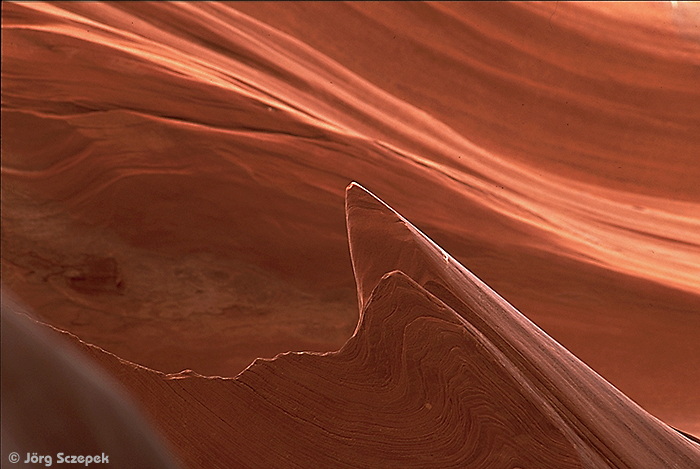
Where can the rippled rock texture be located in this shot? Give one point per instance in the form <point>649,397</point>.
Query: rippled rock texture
<point>173,176</point>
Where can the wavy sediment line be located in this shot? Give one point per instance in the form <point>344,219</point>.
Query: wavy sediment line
<point>259,66</point>
<point>440,372</point>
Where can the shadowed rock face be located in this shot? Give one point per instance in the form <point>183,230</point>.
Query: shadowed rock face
<point>55,401</point>
<point>442,375</point>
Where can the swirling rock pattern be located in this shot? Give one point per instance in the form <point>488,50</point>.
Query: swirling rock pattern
<point>576,394</point>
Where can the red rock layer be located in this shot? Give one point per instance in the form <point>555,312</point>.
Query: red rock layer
<point>420,383</point>
<point>173,173</point>
<point>381,240</point>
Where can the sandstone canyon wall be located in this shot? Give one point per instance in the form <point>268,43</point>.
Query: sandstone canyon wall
<point>173,178</point>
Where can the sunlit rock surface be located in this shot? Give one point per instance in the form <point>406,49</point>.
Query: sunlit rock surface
<point>173,174</point>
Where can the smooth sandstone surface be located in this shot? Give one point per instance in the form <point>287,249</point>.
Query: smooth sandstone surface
<point>173,174</point>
